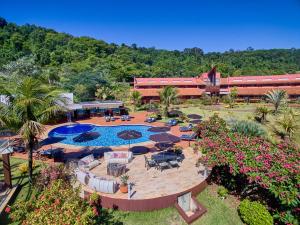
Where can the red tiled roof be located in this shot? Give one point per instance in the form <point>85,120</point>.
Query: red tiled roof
<point>169,81</point>
<point>151,92</point>
<point>272,79</point>
<point>263,90</point>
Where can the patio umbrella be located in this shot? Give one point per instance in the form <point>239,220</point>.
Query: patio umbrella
<point>88,136</point>
<point>164,137</point>
<point>159,129</point>
<point>163,145</point>
<point>175,113</point>
<point>194,116</point>
<point>129,135</point>
<point>195,121</point>
<point>139,150</point>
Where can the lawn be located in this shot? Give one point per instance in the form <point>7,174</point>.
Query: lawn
<point>241,111</point>
<point>25,189</point>
<point>219,212</point>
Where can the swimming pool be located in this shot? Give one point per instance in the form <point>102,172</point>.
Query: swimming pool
<point>108,134</point>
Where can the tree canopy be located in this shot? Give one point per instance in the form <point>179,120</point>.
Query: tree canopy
<point>86,61</point>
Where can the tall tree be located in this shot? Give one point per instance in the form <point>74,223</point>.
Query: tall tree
<point>168,96</point>
<point>31,105</point>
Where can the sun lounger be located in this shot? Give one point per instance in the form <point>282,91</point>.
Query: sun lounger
<point>187,128</point>
<point>188,137</point>
<point>172,122</point>
<point>150,120</point>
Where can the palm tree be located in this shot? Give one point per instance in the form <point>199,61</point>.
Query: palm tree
<point>288,123</point>
<point>262,113</point>
<point>136,99</point>
<point>103,93</point>
<point>168,96</point>
<point>276,97</point>
<point>31,105</point>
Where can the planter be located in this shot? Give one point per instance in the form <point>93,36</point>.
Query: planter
<point>124,188</point>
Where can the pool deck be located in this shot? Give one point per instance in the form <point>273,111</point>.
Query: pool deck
<point>154,183</point>
<point>72,151</point>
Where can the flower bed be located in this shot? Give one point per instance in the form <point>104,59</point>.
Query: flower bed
<point>272,167</point>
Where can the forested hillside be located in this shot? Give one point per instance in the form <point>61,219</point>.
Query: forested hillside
<point>82,62</point>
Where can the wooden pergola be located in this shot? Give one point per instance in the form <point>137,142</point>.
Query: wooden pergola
<point>5,151</point>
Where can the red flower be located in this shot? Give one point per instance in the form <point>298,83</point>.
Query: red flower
<point>7,209</point>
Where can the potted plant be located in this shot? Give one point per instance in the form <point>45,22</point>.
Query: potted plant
<point>124,183</point>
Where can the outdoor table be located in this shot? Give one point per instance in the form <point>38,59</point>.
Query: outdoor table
<point>164,157</point>
<point>116,169</point>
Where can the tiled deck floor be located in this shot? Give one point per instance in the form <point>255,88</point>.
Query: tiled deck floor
<point>153,183</point>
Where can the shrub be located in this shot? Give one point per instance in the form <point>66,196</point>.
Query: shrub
<point>49,174</point>
<point>222,192</point>
<point>254,213</point>
<point>58,204</point>
<point>248,128</point>
<point>23,168</point>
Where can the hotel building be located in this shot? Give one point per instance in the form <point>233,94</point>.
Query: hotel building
<point>211,83</point>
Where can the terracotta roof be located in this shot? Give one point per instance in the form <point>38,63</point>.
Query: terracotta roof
<point>263,90</point>
<point>169,81</point>
<point>272,79</point>
<point>151,92</point>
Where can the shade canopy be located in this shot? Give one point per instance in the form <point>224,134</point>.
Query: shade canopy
<point>194,116</point>
<point>5,147</point>
<point>195,121</point>
<point>88,136</point>
<point>129,134</point>
<point>139,150</point>
<point>159,129</point>
<point>163,145</point>
<point>164,137</point>
<point>175,112</point>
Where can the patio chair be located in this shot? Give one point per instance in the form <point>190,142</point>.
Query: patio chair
<point>186,128</point>
<point>174,163</point>
<point>107,118</point>
<point>172,122</point>
<point>150,120</point>
<point>188,137</point>
<point>149,163</point>
<point>123,117</point>
<point>112,118</point>
<point>127,117</point>
<point>163,165</point>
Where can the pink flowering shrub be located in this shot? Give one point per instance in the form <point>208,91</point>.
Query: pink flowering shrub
<point>59,204</point>
<point>272,167</point>
<point>49,174</point>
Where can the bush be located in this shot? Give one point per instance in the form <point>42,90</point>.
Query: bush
<point>58,204</point>
<point>248,128</point>
<point>222,192</point>
<point>23,168</point>
<point>254,213</point>
<point>49,174</point>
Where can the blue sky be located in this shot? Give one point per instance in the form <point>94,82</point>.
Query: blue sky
<point>168,24</point>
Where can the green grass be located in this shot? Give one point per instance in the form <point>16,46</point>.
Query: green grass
<point>219,212</point>
<point>239,112</point>
<point>25,188</point>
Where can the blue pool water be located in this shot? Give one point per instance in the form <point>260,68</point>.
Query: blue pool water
<point>108,134</point>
